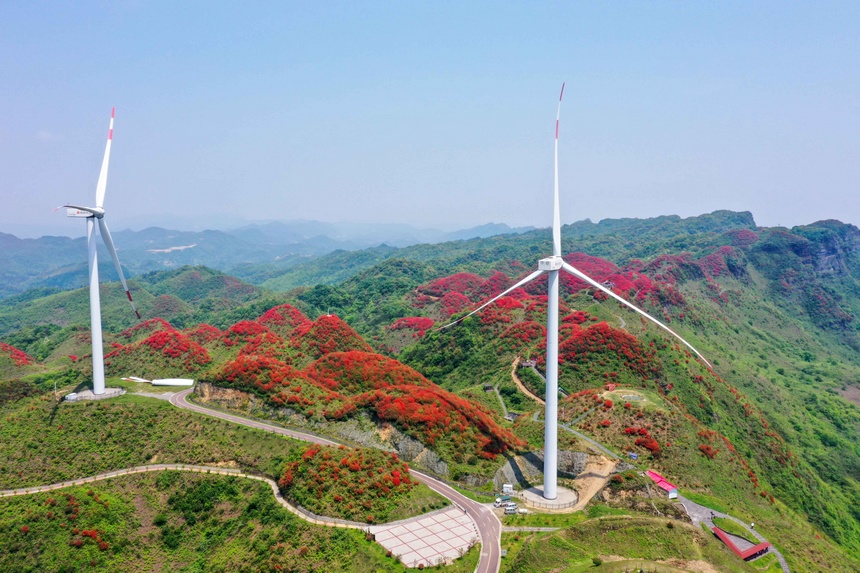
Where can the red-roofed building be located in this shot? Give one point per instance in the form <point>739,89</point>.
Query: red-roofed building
<point>747,554</point>
<point>661,482</point>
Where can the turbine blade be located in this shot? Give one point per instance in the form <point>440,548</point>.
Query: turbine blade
<point>579,274</point>
<point>556,215</point>
<point>526,280</point>
<point>102,184</point>
<point>103,228</point>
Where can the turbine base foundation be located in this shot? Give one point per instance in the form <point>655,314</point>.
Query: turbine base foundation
<point>533,497</point>
<point>87,394</point>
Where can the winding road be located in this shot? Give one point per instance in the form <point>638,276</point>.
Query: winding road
<point>488,525</point>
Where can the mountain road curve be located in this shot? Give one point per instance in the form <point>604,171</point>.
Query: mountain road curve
<point>488,525</point>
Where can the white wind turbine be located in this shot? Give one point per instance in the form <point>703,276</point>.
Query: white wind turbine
<point>93,214</point>
<point>551,266</point>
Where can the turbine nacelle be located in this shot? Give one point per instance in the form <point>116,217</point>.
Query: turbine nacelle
<point>550,264</point>
<point>84,212</point>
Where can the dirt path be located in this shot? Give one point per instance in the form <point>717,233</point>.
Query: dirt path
<point>592,480</point>
<point>519,383</point>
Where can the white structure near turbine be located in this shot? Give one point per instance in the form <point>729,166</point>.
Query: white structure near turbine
<point>551,267</point>
<point>93,214</point>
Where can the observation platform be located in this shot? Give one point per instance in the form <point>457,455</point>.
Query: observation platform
<point>533,497</point>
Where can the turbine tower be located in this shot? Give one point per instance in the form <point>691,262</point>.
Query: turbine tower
<point>551,267</point>
<point>93,214</point>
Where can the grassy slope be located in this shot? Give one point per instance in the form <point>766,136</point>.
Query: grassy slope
<point>173,521</point>
<point>632,537</point>
<point>42,442</point>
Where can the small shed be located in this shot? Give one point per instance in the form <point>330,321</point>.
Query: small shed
<point>663,484</point>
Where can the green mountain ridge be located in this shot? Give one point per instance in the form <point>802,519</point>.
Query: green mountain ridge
<point>766,432</point>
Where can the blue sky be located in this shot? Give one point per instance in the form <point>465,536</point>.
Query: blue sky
<point>434,114</point>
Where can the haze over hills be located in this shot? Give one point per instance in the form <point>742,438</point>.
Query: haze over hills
<point>768,433</point>
<point>60,262</point>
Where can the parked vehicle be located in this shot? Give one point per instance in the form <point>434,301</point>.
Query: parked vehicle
<point>500,501</point>
<point>510,511</point>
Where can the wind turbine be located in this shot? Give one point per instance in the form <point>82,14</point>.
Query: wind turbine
<point>93,214</point>
<point>551,267</point>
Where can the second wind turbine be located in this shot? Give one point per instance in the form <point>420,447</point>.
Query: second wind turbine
<point>551,267</point>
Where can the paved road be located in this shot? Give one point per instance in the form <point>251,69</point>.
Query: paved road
<point>702,514</point>
<point>489,526</point>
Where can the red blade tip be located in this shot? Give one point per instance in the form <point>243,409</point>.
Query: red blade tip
<point>113,111</point>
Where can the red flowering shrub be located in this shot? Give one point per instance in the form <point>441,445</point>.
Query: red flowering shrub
<point>327,334</point>
<point>714,265</point>
<point>145,329</point>
<point>649,444</point>
<point>148,356</point>
<point>522,335</point>
<point>454,302</point>
<point>430,414</point>
<point>578,317</point>
<point>347,483</point>
<point>175,344</point>
<point>463,283</point>
<point>600,342</point>
<point>283,319</point>
<point>19,358</point>
<point>742,237</point>
<point>243,331</point>
<point>492,286</point>
<point>204,334</point>
<point>419,324</point>
<point>255,372</point>
<point>709,451</point>
<point>266,344</point>
<point>353,372</point>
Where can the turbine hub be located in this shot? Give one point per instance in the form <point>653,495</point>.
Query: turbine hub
<point>553,263</point>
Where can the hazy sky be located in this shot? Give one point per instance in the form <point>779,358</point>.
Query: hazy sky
<point>433,113</point>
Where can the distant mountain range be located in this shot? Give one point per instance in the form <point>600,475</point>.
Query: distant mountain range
<point>60,262</point>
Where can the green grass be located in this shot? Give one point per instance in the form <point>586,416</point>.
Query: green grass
<point>42,442</point>
<point>174,521</point>
<point>706,500</point>
<point>644,539</point>
<point>487,497</point>
<point>532,519</point>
